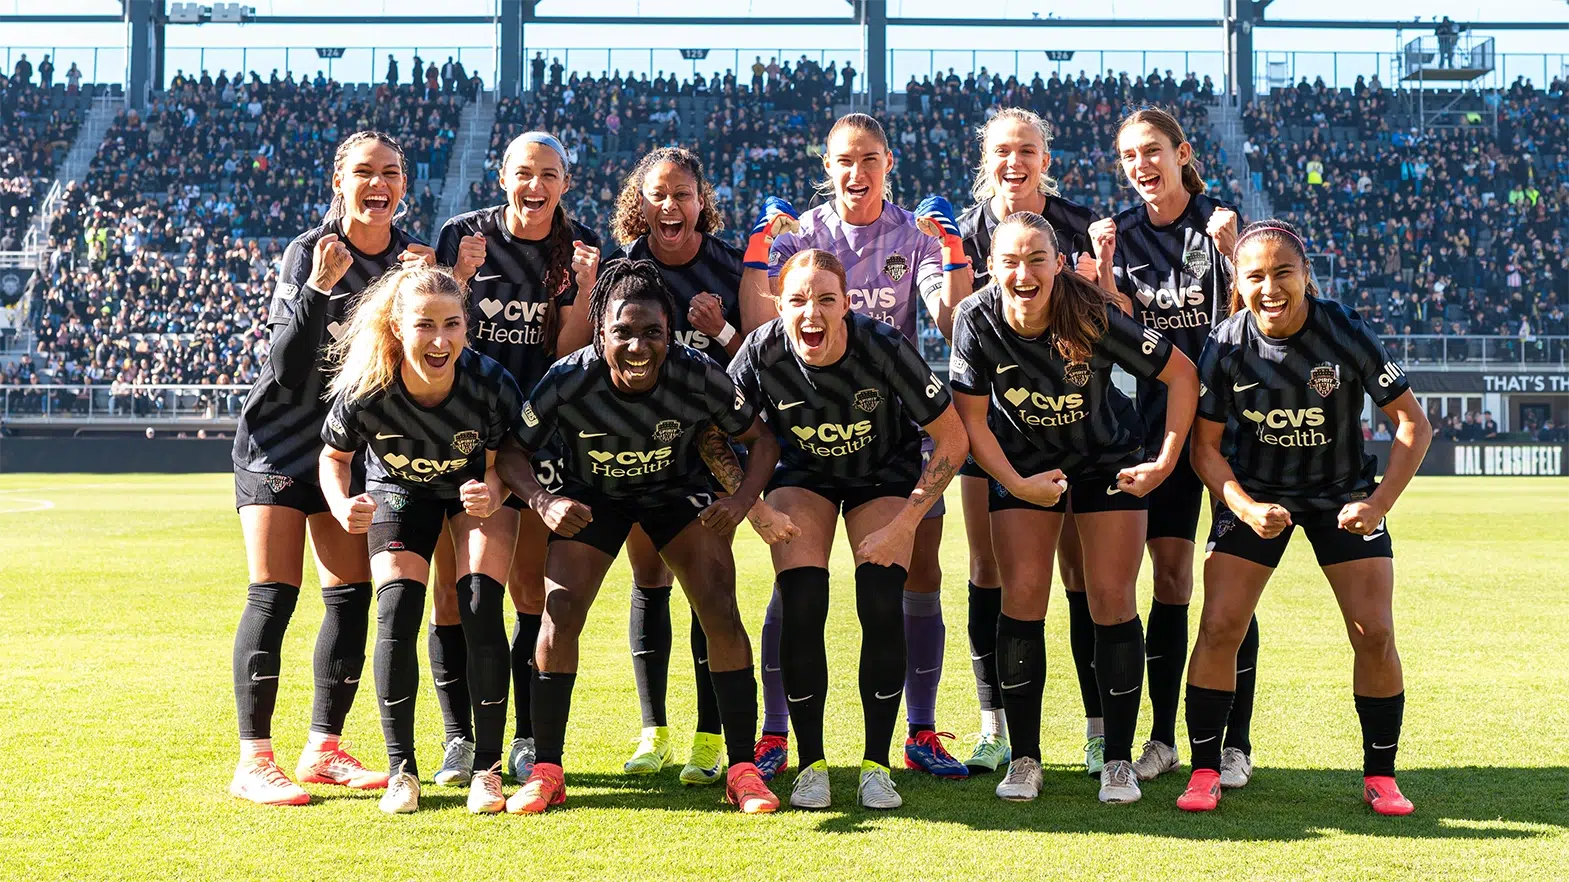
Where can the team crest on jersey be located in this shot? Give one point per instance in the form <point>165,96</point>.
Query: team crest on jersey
<point>1224,522</point>
<point>1324,379</point>
<point>868,399</point>
<point>397,501</point>
<point>465,441</point>
<point>1077,373</point>
<point>896,266</point>
<point>667,430</point>
<point>279,483</point>
<point>1196,262</point>
<point>529,418</point>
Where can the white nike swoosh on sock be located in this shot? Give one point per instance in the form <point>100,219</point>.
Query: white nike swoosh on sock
<point>920,671</point>
<point>772,670</point>
<point>793,698</point>
<point>1150,658</point>
<point>258,677</point>
<point>1205,740</point>
<point>1244,670</point>
<point>1126,692</point>
<point>645,651</point>
<point>882,697</point>
<point>702,661</point>
<point>1016,685</point>
<point>1386,746</point>
<point>979,657</point>
<point>447,682</point>
<point>391,703</point>
<point>349,682</point>
<point>489,703</point>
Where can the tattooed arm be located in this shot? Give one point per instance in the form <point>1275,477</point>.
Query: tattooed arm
<point>894,542</point>
<point>770,523</point>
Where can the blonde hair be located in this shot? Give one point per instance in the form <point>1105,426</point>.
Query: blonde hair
<point>984,188</point>
<point>366,359</point>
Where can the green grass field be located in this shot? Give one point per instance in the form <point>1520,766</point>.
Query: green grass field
<point>119,596</point>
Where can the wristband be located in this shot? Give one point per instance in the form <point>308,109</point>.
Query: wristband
<point>726,335</point>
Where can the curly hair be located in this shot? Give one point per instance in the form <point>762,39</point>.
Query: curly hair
<point>625,281</point>
<point>629,223</point>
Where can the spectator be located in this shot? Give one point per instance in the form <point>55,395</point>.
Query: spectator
<point>1382,433</point>
<point>536,69</point>
<point>46,73</point>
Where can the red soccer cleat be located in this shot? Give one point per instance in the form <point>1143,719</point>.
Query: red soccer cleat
<point>744,789</point>
<point>546,786</point>
<point>1383,794</point>
<point>1203,793</point>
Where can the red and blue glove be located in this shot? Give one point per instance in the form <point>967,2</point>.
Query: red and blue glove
<point>777,216</point>
<point>934,217</point>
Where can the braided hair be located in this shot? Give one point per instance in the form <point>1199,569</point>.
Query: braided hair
<point>337,209</point>
<point>625,281</point>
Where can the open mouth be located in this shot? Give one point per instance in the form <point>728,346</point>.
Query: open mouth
<point>1014,179</point>
<point>377,203</point>
<point>638,369</point>
<point>1273,309</point>
<point>534,203</point>
<point>437,360</point>
<point>1026,292</point>
<point>671,230</point>
<point>1150,181</point>
<point>857,190</point>
<point>813,336</point>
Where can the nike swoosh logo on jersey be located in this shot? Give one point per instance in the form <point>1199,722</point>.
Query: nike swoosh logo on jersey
<point>920,671</point>
<point>782,406</point>
<point>1236,388</point>
<point>1112,491</point>
<point>1004,368</point>
<point>591,434</point>
<point>339,296</point>
<point>383,437</point>
<point>1125,692</point>
<point>391,703</point>
<point>1134,269</point>
<point>882,697</point>
<point>489,278</point>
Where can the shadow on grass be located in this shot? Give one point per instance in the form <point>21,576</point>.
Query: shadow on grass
<point>1279,804</point>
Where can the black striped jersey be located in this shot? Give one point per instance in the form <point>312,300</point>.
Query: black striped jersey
<point>1069,219</point>
<point>717,270</point>
<point>1046,412</point>
<point>435,450</point>
<point>507,297</point>
<point>1180,285</point>
<point>642,445</point>
<point>1296,404</point>
<point>853,422</point>
<point>280,425</point>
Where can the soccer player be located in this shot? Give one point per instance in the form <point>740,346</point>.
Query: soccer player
<point>630,411</point>
<point>667,213</point>
<point>1012,176</point>
<point>524,263</point>
<point>1031,372</point>
<point>275,484</point>
<point>894,259</point>
<point>428,415</point>
<point>1171,256</point>
<point>847,396</point>
<point>1291,371</point>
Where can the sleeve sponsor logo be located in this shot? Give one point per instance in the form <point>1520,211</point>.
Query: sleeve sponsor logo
<point>336,424</point>
<point>957,364</point>
<point>529,418</point>
<point>1390,375</point>
<point>286,291</point>
<point>740,399</point>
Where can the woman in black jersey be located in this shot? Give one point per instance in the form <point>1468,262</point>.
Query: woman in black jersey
<point>524,263</point>
<point>1171,256</point>
<point>847,396</point>
<point>630,412</point>
<point>667,213</point>
<point>275,483</point>
<point>1012,176</point>
<point>1291,372</point>
<point>428,414</point>
<point>1031,372</point>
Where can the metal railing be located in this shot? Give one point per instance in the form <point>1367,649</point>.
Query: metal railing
<point>126,402</point>
<point>1477,352</point>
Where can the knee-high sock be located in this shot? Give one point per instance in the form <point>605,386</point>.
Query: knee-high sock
<point>1240,724</point>
<point>1165,655</point>
<point>803,613</point>
<point>489,663</point>
<point>340,654</point>
<point>924,636</point>
<point>1207,710</point>
<point>1021,669</point>
<point>1119,669</point>
<point>524,635</point>
<point>449,666</point>
<point>258,642</point>
<point>400,606</point>
<point>879,592</point>
<point>985,608</point>
<point>552,699</point>
<point>776,711</point>
<point>1081,638</point>
<point>648,632</point>
<point>708,716</point>
<point>736,694</point>
<point>1381,719</point>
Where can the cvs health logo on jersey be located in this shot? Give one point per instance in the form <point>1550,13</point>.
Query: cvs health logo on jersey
<point>1046,411</point>
<point>834,439</point>
<point>526,322</point>
<point>692,339</point>
<point>1297,427</point>
<point>421,470</point>
<point>876,303</point>
<point>629,463</point>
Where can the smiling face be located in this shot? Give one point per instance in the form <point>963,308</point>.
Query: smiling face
<point>1015,156</point>
<point>671,207</point>
<point>1025,263</point>
<point>433,330</point>
<point>1152,163</point>
<point>534,178</point>
<point>858,164</point>
<point>1273,283</point>
<point>812,308</point>
<point>370,180</point>
<point>636,336</point>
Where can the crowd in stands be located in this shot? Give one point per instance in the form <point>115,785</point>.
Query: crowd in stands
<point>34,135</point>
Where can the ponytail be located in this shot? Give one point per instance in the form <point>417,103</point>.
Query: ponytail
<point>1076,312</point>
<point>1162,121</point>
<point>336,210</point>
<point>558,273</point>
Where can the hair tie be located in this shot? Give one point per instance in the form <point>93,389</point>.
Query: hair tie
<point>1294,237</point>
<point>545,138</point>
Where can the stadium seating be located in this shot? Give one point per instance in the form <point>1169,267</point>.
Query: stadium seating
<point>37,127</point>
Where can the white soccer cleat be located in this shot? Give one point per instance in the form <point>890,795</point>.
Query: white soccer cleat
<point>261,781</point>
<point>485,796</point>
<point>810,790</point>
<point>1023,781</point>
<point>457,763</point>
<point>1236,768</point>
<point>402,796</point>
<point>1156,760</point>
<point>877,790</point>
<point>1119,784</point>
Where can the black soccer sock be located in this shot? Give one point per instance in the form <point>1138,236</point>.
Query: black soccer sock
<point>1119,670</point>
<point>879,604</point>
<point>340,654</point>
<point>648,631</point>
<point>449,665</point>
<point>1166,655</point>
<point>525,634</point>
<point>736,694</point>
<point>1239,724</point>
<point>985,608</point>
<point>551,696</point>
<point>1081,639</point>
<point>257,647</point>
<point>1381,719</point>
<point>479,604</point>
<point>1021,670</point>
<point>708,718</point>
<point>1207,710</point>
<point>803,597</point>
<point>400,606</point>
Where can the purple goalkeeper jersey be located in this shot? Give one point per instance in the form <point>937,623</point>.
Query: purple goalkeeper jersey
<point>891,266</point>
